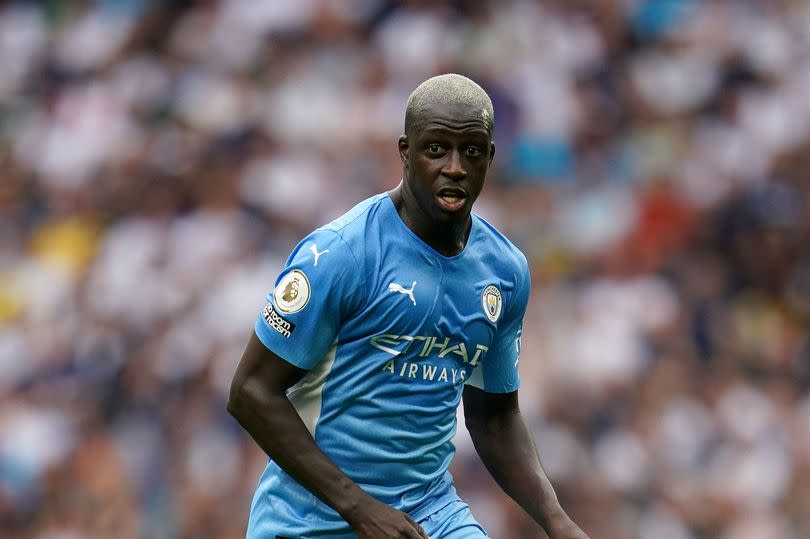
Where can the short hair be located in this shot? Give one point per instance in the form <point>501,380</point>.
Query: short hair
<point>449,88</point>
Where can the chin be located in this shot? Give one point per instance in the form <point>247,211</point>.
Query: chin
<point>455,217</point>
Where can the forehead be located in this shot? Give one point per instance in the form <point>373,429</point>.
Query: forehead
<point>453,117</point>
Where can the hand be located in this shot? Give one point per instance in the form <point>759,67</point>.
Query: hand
<point>376,520</point>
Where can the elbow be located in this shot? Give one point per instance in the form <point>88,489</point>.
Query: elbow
<point>237,401</point>
<point>249,398</point>
<point>232,405</point>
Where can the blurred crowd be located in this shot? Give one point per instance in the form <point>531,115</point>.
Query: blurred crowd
<point>158,161</point>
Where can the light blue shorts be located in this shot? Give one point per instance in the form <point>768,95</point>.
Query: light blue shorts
<point>454,521</point>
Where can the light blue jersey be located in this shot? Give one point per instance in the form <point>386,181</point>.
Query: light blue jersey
<point>390,332</point>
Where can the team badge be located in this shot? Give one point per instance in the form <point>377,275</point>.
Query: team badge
<point>492,303</point>
<point>292,292</point>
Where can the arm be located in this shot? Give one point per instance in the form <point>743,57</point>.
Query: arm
<point>507,449</point>
<point>258,402</point>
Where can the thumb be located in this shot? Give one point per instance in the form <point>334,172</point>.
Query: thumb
<point>417,527</point>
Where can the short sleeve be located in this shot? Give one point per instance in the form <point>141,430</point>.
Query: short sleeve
<point>498,373</point>
<point>320,285</point>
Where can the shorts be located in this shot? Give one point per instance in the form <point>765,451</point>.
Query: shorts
<point>453,521</point>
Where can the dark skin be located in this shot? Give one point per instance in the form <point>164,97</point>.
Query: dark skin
<point>446,152</point>
<point>446,148</point>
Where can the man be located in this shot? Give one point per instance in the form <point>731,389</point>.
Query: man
<point>401,306</point>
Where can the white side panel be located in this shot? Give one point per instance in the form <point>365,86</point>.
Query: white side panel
<point>476,379</point>
<point>306,395</point>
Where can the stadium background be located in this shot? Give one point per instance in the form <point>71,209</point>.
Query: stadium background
<point>158,160</point>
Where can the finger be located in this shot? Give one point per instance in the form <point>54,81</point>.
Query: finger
<point>417,527</point>
<point>418,533</point>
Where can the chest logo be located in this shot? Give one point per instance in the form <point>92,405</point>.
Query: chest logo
<point>492,303</point>
<point>396,287</point>
<point>292,292</point>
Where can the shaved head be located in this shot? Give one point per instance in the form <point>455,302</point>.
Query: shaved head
<point>449,89</point>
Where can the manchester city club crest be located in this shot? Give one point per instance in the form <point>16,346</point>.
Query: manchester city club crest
<point>492,303</point>
<point>292,292</point>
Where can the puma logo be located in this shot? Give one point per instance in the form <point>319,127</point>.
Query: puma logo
<point>314,249</point>
<point>395,287</point>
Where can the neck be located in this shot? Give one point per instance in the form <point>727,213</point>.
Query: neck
<point>448,238</point>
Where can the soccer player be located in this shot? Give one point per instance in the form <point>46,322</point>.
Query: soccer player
<point>379,324</point>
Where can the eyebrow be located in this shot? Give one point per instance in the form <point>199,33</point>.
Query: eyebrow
<point>474,130</point>
<point>475,123</point>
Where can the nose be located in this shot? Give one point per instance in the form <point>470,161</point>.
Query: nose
<point>452,166</point>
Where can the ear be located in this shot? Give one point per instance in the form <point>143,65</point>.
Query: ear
<point>403,150</point>
<point>491,152</point>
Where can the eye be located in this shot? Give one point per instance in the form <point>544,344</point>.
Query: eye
<point>473,151</point>
<point>435,149</point>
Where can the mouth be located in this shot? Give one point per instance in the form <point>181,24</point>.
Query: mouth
<point>451,199</point>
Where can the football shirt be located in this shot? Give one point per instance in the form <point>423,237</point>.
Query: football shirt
<point>390,332</point>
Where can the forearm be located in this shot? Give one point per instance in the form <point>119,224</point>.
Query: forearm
<point>275,425</point>
<point>507,449</point>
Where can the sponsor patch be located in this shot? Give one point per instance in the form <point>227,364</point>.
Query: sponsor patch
<point>492,303</point>
<point>276,321</point>
<point>292,292</point>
